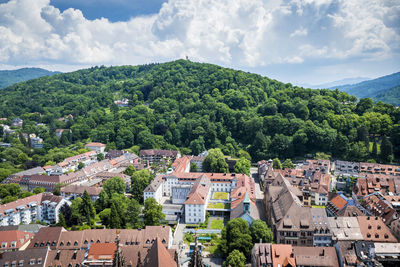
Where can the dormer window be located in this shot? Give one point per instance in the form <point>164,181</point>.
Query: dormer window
<point>75,243</point>
<point>68,243</point>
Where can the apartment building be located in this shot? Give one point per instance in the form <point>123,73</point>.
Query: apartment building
<point>43,207</point>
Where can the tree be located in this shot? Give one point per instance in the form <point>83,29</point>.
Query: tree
<point>193,167</point>
<point>86,208</point>
<point>105,216</point>
<point>81,165</point>
<point>374,150</point>
<point>260,231</point>
<point>9,199</point>
<point>288,164</point>
<point>100,157</point>
<point>140,180</point>
<point>235,259</point>
<point>236,235</point>
<point>133,212</point>
<point>276,164</point>
<point>152,212</point>
<point>115,220</point>
<point>61,221</point>
<point>114,185</point>
<point>215,161</point>
<point>386,150</point>
<point>102,202</point>
<point>66,211</point>
<point>242,166</point>
<point>38,190</point>
<point>130,170</point>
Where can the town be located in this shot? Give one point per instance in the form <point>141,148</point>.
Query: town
<point>87,211</point>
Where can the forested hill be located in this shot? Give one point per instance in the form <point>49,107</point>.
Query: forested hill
<point>379,89</point>
<point>10,77</point>
<point>195,106</point>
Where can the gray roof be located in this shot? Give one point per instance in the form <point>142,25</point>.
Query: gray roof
<point>33,171</point>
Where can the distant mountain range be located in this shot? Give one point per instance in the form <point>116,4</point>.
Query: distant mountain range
<point>10,77</point>
<point>385,89</point>
<point>346,81</point>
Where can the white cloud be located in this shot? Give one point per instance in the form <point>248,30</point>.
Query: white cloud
<point>248,33</point>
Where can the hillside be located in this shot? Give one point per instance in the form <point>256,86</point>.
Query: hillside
<point>10,77</point>
<point>391,96</point>
<point>334,84</point>
<point>372,88</point>
<point>193,107</point>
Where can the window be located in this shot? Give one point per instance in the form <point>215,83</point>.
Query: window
<point>4,244</point>
<point>21,263</point>
<point>32,262</point>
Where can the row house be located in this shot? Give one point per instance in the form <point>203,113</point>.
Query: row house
<point>375,168</point>
<point>156,155</point>
<point>278,255</point>
<point>43,207</point>
<point>97,147</point>
<point>377,205</point>
<point>71,192</point>
<point>13,240</point>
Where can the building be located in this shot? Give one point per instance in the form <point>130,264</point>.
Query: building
<point>17,122</point>
<point>345,229</point>
<point>64,258</point>
<point>347,168</point>
<point>100,254</point>
<point>156,155</point>
<point>122,103</point>
<point>155,190</point>
<point>395,227</point>
<point>37,142</point>
<point>291,221</point>
<point>97,147</point>
<point>316,256</point>
<point>388,253</point>
<point>59,238</point>
<point>31,258</point>
<point>374,229</point>
<point>198,160</point>
<point>340,205</point>
<point>71,192</point>
<point>261,255</point>
<point>282,256</point>
<point>322,234</point>
<point>346,253</point>
<point>43,207</point>
<point>197,200</point>
<point>14,240</point>
<point>375,168</point>
<point>377,205</point>
<point>59,132</point>
<point>365,253</point>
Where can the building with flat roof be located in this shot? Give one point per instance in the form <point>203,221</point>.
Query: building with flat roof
<point>345,229</point>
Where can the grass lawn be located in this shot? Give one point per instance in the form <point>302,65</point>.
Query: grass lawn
<point>217,224</point>
<point>221,195</point>
<point>315,206</point>
<point>219,206</point>
<point>371,144</point>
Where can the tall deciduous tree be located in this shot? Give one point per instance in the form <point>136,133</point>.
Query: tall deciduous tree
<point>86,208</point>
<point>133,212</point>
<point>152,212</point>
<point>276,164</point>
<point>235,259</point>
<point>236,235</point>
<point>288,164</point>
<point>242,166</point>
<point>260,232</point>
<point>215,161</point>
<point>140,180</point>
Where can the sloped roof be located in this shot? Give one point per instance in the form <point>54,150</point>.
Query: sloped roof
<point>339,202</point>
<point>15,235</point>
<point>158,256</point>
<point>199,191</point>
<point>102,251</point>
<point>94,144</point>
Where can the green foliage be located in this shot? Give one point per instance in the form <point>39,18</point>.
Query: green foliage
<point>57,189</point>
<point>86,208</point>
<point>100,156</point>
<point>217,224</point>
<point>152,212</point>
<point>386,150</point>
<point>140,180</point>
<point>133,213</point>
<point>288,164</point>
<point>242,166</point>
<point>192,107</point>
<point>38,190</point>
<point>215,161</point>
<point>236,235</point>
<point>235,259</point>
<point>8,199</point>
<point>321,155</point>
<point>276,164</point>
<point>114,185</point>
<point>260,231</point>
<point>115,220</point>
<point>193,167</point>
<point>10,77</point>
<point>61,221</point>
<point>130,170</point>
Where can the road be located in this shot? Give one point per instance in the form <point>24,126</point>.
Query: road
<point>259,194</point>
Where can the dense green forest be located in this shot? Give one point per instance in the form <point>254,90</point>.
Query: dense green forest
<point>193,107</point>
<point>10,77</point>
<point>390,96</point>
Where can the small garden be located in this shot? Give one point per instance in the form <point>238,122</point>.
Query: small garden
<point>226,206</point>
<point>221,195</point>
<point>217,224</point>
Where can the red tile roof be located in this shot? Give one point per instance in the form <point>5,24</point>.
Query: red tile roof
<point>339,202</point>
<point>94,144</point>
<point>102,251</point>
<point>15,235</point>
<point>158,255</point>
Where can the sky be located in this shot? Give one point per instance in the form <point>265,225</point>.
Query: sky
<point>297,41</point>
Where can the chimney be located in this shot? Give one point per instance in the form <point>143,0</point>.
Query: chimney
<point>322,252</point>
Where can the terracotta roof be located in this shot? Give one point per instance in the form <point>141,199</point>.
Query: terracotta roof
<point>339,202</point>
<point>282,255</point>
<point>181,164</point>
<point>199,192</point>
<point>94,144</point>
<point>19,237</point>
<point>374,229</point>
<point>102,251</point>
<point>158,255</point>
<point>25,257</point>
<point>46,236</point>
